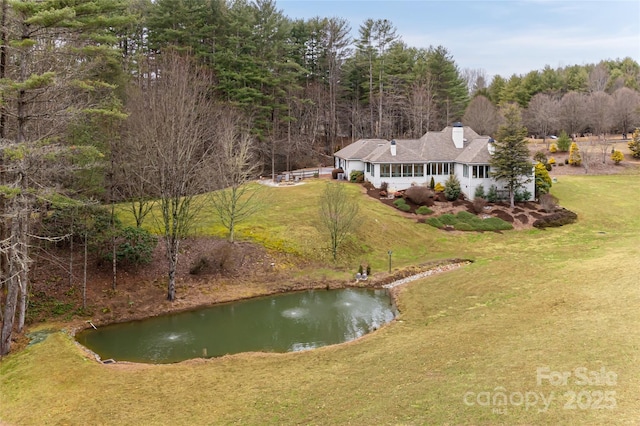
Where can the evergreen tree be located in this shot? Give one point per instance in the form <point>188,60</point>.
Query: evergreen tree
<point>452,188</point>
<point>564,142</point>
<point>58,61</point>
<point>510,162</point>
<point>543,180</point>
<point>450,90</point>
<point>575,159</point>
<point>634,144</point>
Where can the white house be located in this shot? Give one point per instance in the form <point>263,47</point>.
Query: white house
<point>402,163</point>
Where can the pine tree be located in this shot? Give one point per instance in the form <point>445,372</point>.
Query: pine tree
<point>510,162</point>
<point>575,159</point>
<point>543,180</point>
<point>58,62</point>
<point>450,89</point>
<point>564,142</point>
<point>634,144</point>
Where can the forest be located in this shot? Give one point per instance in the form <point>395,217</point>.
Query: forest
<point>110,101</point>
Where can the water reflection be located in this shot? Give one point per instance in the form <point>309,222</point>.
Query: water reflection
<point>291,322</point>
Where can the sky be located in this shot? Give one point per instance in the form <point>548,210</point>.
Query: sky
<point>501,37</point>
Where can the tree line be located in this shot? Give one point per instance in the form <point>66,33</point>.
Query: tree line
<point>107,101</point>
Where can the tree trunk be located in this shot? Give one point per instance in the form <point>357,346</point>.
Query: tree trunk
<point>3,63</point>
<point>172,255</point>
<point>9,314</point>
<point>84,278</point>
<point>13,288</point>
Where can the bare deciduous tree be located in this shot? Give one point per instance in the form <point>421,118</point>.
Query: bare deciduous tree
<point>599,78</point>
<point>338,215</point>
<point>421,107</point>
<point>170,120</point>
<point>541,115</point>
<point>572,112</point>
<point>475,78</point>
<point>626,110</point>
<point>482,116</point>
<point>599,107</point>
<point>236,200</point>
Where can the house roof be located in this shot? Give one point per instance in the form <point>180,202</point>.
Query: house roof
<point>360,148</point>
<point>475,152</point>
<point>433,146</point>
<point>405,152</point>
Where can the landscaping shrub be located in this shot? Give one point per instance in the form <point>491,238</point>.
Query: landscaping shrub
<point>404,207</point>
<point>356,176</point>
<point>540,157</point>
<point>543,180</point>
<point>435,222</point>
<point>399,202</point>
<point>553,148</point>
<point>492,194</point>
<point>419,194</point>
<point>575,159</point>
<point>521,196</point>
<point>463,226</point>
<point>563,142</point>
<point>548,202</point>
<point>438,187</point>
<point>634,144</point>
<point>552,161</point>
<point>448,219</point>
<point>452,188</point>
<point>479,205</point>
<point>424,210</point>
<point>465,221</point>
<point>496,224</point>
<point>479,193</point>
<point>466,216</point>
<point>384,186</point>
<point>617,156</point>
<point>559,218</point>
<point>432,183</point>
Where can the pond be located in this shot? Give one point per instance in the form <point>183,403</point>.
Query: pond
<point>283,323</point>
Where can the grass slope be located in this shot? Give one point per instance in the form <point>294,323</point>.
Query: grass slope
<point>559,298</point>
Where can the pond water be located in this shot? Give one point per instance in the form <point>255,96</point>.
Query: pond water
<point>283,323</point>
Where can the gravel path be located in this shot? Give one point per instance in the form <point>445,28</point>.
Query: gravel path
<point>434,271</point>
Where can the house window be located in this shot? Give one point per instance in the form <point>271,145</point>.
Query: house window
<point>465,171</point>
<point>396,170</point>
<point>368,167</point>
<point>481,172</point>
<point>407,170</point>
<point>373,170</point>
<point>418,170</point>
<point>385,170</point>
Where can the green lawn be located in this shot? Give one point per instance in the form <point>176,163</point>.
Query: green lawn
<point>564,299</point>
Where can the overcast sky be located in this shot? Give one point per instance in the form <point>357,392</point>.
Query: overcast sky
<point>501,36</point>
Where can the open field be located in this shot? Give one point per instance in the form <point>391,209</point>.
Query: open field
<point>565,299</point>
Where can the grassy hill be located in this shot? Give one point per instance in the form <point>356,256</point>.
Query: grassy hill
<point>556,300</point>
